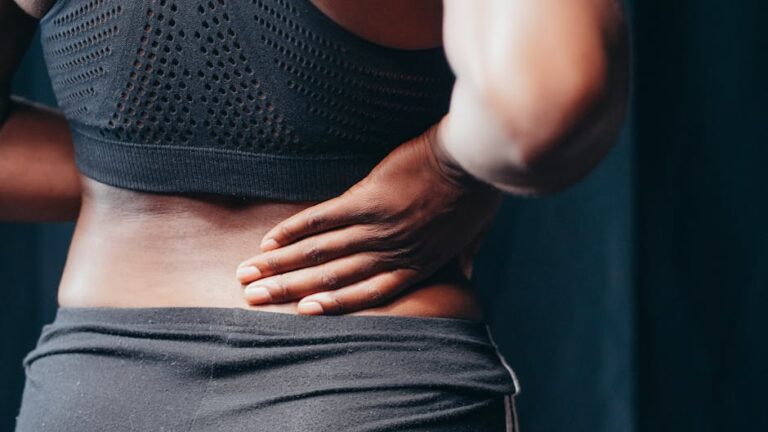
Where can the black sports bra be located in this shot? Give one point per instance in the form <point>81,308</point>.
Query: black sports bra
<point>248,98</point>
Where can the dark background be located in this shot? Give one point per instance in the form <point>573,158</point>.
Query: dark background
<point>634,301</point>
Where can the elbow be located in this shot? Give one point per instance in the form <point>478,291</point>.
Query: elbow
<point>545,127</point>
<point>552,93</point>
<point>540,111</point>
<point>564,119</point>
<point>558,138</point>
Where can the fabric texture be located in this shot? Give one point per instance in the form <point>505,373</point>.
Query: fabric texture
<point>220,369</point>
<point>258,98</point>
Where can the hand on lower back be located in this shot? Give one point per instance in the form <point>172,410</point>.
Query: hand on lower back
<point>399,225</point>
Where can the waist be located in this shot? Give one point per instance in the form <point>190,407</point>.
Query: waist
<point>134,249</point>
<point>218,170</point>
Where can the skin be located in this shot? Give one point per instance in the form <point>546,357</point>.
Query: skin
<point>399,242</point>
<point>383,235</point>
<point>541,91</point>
<point>35,8</point>
<point>539,99</point>
<point>38,179</point>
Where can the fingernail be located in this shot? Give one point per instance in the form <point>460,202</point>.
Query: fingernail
<point>248,273</point>
<point>257,295</point>
<point>269,244</point>
<point>310,308</point>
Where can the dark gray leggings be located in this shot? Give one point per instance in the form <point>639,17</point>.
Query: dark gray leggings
<point>220,369</point>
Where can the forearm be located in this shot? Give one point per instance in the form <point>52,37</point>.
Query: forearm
<point>35,8</point>
<point>38,177</point>
<point>540,93</point>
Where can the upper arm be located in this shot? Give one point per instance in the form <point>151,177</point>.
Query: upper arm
<point>541,84</point>
<point>495,35</point>
<point>35,8</point>
<point>38,176</point>
<point>505,47</point>
<point>16,30</point>
<point>541,65</point>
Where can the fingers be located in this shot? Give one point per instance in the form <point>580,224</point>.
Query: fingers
<point>364,294</point>
<point>334,213</point>
<point>329,276</point>
<point>308,252</point>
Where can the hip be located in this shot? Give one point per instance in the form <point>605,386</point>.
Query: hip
<point>201,369</point>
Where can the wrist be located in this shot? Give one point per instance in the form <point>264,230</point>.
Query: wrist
<point>447,166</point>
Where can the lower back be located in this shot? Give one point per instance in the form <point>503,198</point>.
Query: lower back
<point>134,249</point>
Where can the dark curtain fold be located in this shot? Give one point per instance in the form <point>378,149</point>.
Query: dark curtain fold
<point>701,127</point>
<point>634,301</point>
<point>31,260</point>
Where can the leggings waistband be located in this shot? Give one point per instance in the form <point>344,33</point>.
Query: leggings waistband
<point>237,324</point>
<point>206,369</point>
<point>254,319</point>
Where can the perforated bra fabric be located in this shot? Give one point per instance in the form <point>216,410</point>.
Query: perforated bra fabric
<point>250,98</point>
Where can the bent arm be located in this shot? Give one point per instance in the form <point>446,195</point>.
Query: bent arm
<point>540,93</point>
<point>38,177</point>
<point>35,8</point>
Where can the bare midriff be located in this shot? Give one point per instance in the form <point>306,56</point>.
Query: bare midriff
<point>136,249</point>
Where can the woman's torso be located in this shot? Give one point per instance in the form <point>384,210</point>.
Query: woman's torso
<point>138,249</point>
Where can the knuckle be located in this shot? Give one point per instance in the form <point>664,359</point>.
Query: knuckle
<point>373,293</point>
<point>272,263</point>
<point>314,254</point>
<point>378,234</point>
<point>401,237</point>
<point>315,220</point>
<point>399,255</point>
<point>284,232</point>
<point>329,279</point>
<point>373,209</point>
<point>279,289</point>
<point>337,305</point>
<point>372,262</point>
<point>360,188</point>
